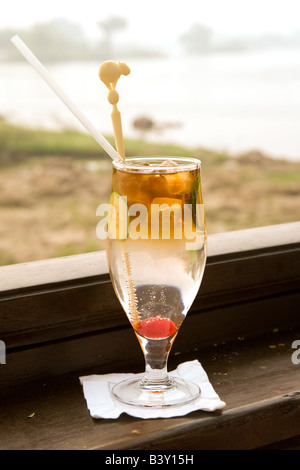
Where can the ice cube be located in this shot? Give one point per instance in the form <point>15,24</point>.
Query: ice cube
<point>168,163</point>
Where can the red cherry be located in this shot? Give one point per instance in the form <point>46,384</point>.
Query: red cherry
<point>156,327</point>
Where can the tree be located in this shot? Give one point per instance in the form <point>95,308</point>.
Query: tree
<point>57,39</point>
<point>197,40</point>
<point>110,26</point>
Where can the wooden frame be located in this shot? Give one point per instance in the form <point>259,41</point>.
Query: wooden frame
<point>60,317</point>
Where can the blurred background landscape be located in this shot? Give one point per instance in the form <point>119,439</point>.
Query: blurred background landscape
<point>218,83</point>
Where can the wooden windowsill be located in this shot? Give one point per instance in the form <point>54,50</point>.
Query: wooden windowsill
<point>60,319</point>
<point>220,246</point>
<point>259,384</point>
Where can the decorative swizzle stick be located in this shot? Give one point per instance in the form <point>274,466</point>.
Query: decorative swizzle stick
<point>109,73</point>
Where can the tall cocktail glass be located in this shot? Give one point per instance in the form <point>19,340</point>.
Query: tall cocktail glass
<point>156,250</point>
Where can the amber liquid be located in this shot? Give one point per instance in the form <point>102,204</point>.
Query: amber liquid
<point>156,273</point>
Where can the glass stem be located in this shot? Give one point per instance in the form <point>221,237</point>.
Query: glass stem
<point>156,353</point>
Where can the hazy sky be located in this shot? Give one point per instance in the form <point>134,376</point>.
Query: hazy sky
<point>161,19</point>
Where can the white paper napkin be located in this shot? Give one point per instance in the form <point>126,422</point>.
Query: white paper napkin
<point>101,404</point>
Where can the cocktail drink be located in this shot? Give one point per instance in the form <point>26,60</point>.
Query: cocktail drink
<point>156,246</point>
<point>156,249</point>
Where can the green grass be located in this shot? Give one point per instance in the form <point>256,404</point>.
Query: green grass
<point>284,177</point>
<point>18,143</point>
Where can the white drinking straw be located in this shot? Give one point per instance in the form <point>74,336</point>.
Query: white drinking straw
<point>43,72</point>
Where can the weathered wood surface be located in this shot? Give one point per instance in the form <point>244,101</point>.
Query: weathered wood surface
<point>256,378</point>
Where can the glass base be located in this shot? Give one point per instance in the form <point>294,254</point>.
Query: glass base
<point>174,392</point>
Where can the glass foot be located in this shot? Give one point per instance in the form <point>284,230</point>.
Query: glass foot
<point>175,392</point>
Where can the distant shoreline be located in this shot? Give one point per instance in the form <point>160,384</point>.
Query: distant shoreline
<point>19,142</point>
<point>233,102</point>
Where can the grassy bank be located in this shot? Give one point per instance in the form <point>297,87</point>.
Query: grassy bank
<point>18,144</point>
<point>52,183</point>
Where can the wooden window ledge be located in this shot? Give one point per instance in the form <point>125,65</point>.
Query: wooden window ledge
<point>60,320</point>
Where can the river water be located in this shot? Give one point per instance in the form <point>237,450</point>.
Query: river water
<point>233,102</point>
